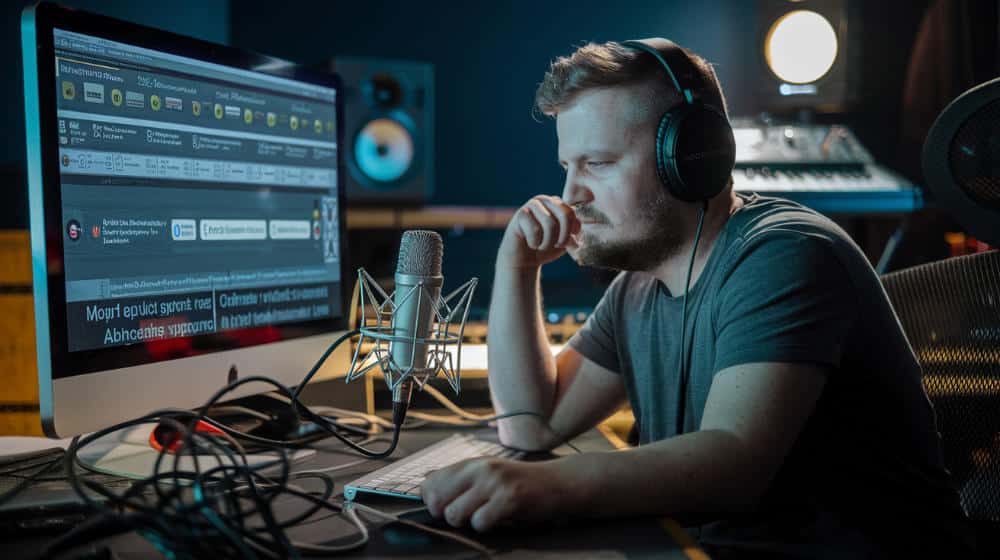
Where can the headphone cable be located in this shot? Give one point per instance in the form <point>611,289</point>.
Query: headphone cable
<point>681,412</point>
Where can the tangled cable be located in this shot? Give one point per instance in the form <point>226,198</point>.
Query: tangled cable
<point>206,499</point>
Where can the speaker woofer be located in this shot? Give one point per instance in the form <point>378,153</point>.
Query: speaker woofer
<point>384,150</point>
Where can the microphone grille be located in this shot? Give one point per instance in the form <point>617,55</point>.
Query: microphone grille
<point>420,253</point>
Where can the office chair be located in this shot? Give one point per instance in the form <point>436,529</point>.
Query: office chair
<point>950,310</point>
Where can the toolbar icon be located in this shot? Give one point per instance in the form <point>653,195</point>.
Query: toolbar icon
<point>154,102</point>
<point>93,92</point>
<point>293,122</point>
<point>272,119</point>
<point>68,90</point>
<point>135,99</point>
<point>116,97</point>
<point>248,116</point>
<point>196,108</point>
<point>318,126</point>
<point>219,111</point>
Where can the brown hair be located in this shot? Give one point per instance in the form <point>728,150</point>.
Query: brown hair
<point>611,64</point>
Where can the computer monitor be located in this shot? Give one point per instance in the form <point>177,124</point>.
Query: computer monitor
<point>186,217</point>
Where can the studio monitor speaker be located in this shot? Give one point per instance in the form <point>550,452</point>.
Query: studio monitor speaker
<point>388,130</point>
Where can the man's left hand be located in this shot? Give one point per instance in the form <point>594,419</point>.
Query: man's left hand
<point>484,492</point>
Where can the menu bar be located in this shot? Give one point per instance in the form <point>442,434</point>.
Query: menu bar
<point>119,164</point>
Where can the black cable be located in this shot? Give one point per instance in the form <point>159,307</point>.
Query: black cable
<point>683,389</point>
<point>23,461</point>
<point>197,512</point>
<point>223,509</point>
<point>27,480</point>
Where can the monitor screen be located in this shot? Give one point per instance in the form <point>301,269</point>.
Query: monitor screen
<point>186,198</point>
<point>195,199</point>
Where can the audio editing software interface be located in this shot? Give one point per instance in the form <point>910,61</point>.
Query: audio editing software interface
<point>196,198</point>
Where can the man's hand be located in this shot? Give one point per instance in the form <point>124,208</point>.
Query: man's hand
<point>539,233</point>
<point>485,492</point>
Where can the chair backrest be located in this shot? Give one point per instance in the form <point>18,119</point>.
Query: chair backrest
<point>950,312</point>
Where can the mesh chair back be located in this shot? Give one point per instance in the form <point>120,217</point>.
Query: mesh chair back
<point>950,312</point>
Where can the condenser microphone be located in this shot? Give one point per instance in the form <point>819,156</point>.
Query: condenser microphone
<point>417,293</point>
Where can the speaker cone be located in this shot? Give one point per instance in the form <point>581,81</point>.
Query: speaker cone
<point>383,150</point>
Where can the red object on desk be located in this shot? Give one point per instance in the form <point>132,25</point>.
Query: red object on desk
<point>166,436</point>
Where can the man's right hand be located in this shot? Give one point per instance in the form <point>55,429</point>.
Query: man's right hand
<point>539,233</point>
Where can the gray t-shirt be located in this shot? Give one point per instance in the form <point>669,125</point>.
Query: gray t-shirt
<point>785,284</point>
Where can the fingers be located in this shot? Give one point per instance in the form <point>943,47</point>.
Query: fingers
<point>564,215</point>
<point>546,222</point>
<point>529,227</point>
<point>493,511</point>
<point>458,495</point>
<point>460,510</point>
<point>441,487</point>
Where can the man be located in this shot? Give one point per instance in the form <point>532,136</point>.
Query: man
<point>796,423</point>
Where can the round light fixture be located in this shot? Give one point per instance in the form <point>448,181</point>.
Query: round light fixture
<point>800,47</point>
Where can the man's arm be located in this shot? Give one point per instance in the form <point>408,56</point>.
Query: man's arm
<point>570,392</point>
<point>753,416</point>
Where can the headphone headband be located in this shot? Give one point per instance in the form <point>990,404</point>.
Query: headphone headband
<point>684,75</point>
<point>695,150</point>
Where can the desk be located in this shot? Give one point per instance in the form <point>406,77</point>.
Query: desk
<point>603,539</point>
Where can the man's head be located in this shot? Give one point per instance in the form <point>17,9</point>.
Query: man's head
<point>607,100</point>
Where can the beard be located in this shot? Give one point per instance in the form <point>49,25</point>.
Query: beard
<point>659,239</point>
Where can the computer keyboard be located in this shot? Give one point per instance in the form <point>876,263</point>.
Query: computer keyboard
<point>402,478</point>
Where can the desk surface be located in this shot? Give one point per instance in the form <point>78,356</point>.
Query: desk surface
<point>603,539</point>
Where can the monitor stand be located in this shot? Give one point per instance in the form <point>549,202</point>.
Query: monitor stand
<point>127,453</point>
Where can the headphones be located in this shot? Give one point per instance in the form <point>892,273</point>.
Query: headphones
<point>695,156</point>
<point>695,149</point>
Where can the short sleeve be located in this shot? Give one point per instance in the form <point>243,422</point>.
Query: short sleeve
<point>788,298</point>
<point>596,338</point>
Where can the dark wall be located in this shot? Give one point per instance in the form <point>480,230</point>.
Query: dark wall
<point>489,57</point>
<point>205,19</point>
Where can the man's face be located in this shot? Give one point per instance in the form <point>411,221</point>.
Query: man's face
<point>606,146</point>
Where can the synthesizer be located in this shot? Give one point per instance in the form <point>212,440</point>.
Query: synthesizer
<point>824,167</point>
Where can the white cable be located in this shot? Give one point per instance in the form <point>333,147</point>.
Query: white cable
<point>324,549</point>
<point>334,411</point>
<point>475,545</point>
<point>447,420</point>
<point>333,468</point>
<point>328,549</point>
<point>439,397</point>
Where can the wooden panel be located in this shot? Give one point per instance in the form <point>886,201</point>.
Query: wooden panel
<point>17,348</point>
<point>15,259</point>
<point>432,217</point>
<point>19,393</point>
<point>21,423</point>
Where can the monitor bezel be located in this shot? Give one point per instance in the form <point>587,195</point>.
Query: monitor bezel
<point>55,361</point>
